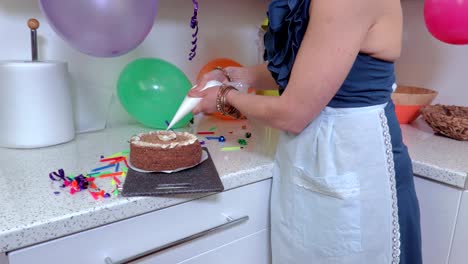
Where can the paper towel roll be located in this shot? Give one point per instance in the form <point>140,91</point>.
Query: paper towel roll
<point>35,104</point>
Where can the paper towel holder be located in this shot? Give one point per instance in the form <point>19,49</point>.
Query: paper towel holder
<point>33,25</point>
<point>36,108</point>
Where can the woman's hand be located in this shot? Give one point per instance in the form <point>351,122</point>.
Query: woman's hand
<point>208,104</point>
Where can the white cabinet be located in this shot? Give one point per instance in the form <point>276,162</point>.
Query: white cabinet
<point>439,208</point>
<point>459,254</point>
<point>242,242</point>
<point>248,250</point>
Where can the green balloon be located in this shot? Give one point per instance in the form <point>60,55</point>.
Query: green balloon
<point>151,90</point>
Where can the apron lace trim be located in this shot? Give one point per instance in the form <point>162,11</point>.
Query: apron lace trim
<point>391,171</point>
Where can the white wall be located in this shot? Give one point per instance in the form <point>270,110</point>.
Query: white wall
<point>429,63</point>
<point>227,29</point>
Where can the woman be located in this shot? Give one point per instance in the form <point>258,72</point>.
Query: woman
<point>342,189</point>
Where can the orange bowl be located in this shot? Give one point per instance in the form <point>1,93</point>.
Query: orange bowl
<point>409,100</point>
<point>407,113</point>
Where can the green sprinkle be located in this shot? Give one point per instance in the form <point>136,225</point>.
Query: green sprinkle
<point>212,129</point>
<point>242,142</point>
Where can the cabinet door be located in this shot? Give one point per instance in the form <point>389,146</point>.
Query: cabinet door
<point>160,231</point>
<point>3,259</point>
<point>252,249</point>
<point>439,206</point>
<point>459,253</point>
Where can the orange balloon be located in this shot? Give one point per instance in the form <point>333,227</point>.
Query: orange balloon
<point>221,62</point>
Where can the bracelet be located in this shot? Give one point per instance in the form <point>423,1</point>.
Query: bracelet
<point>226,74</point>
<point>221,104</point>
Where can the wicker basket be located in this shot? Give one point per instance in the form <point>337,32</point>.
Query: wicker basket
<point>448,120</point>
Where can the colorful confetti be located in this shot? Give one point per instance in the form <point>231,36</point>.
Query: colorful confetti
<point>212,129</point>
<point>86,181</point>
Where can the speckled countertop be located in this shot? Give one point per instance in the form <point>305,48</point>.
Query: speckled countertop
<point>31,213</point>
<point>436,157</point>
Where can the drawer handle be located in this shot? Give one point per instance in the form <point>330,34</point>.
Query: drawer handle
<point>229,222</point>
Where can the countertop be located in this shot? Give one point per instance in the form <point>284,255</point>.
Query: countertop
<point>436,157</point>
<point>32,213</point>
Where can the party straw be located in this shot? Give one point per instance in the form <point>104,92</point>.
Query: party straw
<point>111,174</point>
<point>103,167</point>
<point>230,148</point>
<point>205,133</point>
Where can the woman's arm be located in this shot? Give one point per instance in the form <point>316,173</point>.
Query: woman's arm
<point>257,76</point>
<point>331,43</point>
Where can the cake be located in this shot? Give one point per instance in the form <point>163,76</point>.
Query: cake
<point>164,150</point>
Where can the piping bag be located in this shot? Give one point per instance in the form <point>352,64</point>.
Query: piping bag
<point>190,103</point>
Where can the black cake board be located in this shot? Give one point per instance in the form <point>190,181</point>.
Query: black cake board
<point>203,178</point>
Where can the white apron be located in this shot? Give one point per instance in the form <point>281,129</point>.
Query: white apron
<point>333,194</point>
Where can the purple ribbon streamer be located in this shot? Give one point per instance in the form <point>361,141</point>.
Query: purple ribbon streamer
<point>194,25</point>
<point>57,175</point>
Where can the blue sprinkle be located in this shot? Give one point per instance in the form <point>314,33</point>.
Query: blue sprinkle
<point>167,123</point>
<point>211,138</point>
<point>56,193</point>
<point>221,139</point>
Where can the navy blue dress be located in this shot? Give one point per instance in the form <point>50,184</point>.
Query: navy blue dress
<point>368,83</point>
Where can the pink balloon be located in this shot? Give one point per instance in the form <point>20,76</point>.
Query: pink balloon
<point>447,20</point>
<point>101,28</point>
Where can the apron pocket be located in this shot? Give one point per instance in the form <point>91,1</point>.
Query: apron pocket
<point>333,212</point>
<point>344,186</point>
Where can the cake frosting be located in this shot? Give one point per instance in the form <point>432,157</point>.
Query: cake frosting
<point>164,150</point>
<point>164,139</point>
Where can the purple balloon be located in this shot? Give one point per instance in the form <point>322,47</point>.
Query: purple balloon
<point>101,28</point>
